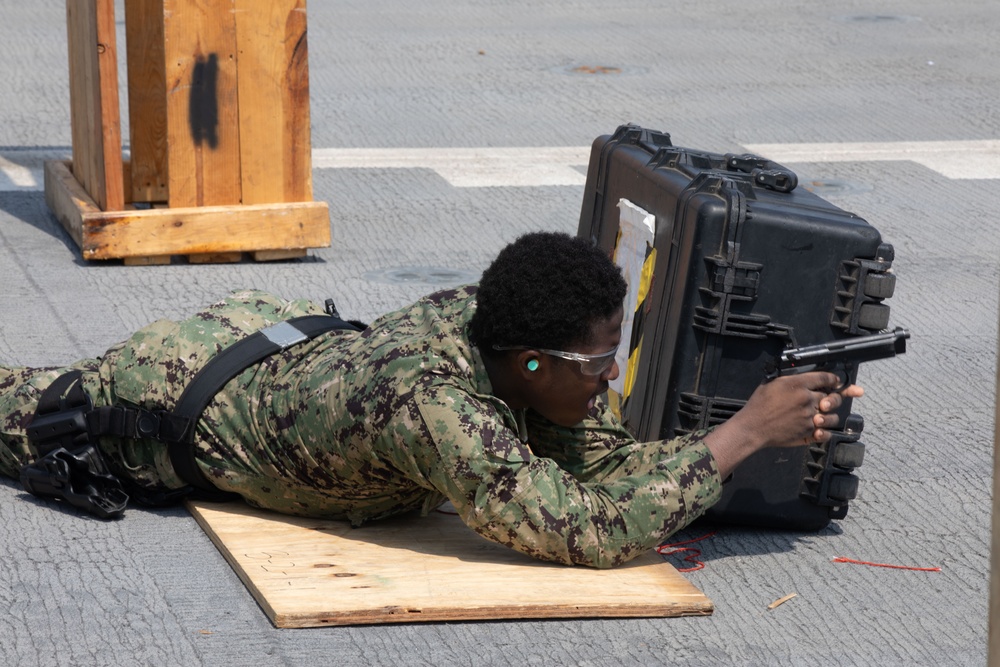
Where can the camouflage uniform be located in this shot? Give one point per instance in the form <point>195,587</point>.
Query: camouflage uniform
<point>400,417</point>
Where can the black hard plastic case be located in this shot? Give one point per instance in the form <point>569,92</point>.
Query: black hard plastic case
<point>747,263</point>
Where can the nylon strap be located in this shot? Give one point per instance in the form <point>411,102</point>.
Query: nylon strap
<point>177,428</point>
<point>52,399</point>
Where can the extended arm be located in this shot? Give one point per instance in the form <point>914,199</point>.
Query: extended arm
<point>464,448</point>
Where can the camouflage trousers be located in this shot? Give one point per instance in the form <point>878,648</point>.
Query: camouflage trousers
<point>20,390</point>
<point>148,370</point>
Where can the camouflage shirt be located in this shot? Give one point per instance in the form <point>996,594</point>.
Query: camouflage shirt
<point>398,418</point>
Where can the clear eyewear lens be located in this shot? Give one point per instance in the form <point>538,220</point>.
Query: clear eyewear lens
<point>590,364</point>
<point>597,365</point>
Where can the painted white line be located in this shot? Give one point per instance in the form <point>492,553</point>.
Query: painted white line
<point>470,167</point>
<point>14,176</point>
<point>952,159</point>
<point>21,170</point>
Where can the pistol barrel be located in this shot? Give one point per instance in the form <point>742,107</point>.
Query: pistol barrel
<point>847,351</point>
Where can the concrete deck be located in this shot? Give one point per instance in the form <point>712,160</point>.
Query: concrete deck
<point>899,114</point>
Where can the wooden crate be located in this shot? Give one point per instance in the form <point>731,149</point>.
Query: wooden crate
<point>220,155</point>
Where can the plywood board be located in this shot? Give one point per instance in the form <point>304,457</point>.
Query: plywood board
<point>316,573</point>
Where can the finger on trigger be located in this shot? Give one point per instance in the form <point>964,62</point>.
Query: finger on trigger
<point>828,381</point>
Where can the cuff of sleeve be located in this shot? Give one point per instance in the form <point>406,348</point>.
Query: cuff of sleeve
<point>696,472</point>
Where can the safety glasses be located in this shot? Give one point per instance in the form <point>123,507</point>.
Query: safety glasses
<point>590,364</point>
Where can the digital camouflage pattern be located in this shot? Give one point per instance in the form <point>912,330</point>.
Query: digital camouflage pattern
<point>397,418</point>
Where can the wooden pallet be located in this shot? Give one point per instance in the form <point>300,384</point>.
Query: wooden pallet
<point>316,573</point>
<point>220,159</point>
<point>202,233</point>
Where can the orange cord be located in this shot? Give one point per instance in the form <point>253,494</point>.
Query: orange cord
<point>675,548</point>
<point>841,559</point>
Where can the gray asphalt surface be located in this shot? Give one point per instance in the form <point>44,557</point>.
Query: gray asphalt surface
<point>152,590</point>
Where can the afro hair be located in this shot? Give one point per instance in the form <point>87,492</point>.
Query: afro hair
<point>546,290</point>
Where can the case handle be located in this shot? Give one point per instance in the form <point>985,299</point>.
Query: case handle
<point>765,174</point>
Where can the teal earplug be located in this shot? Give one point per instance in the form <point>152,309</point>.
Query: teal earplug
<point>532,364</point>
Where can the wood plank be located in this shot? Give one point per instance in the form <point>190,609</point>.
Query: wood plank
<point>275,255</point>
<point>67,199</point>
<point>205,229</point>
<point>84,100</point>
<point>95,119</point>
<point>273,74</point>
<point>272,228</point>
<point>215,258</point>
<point>157,260</point>
<point>315,573</point>
<point>147,99</point>
<point>203,161</point>
<point>110,123</point>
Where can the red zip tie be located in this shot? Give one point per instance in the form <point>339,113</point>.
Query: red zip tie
<point>675,548</point>
<point>841,559</point>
